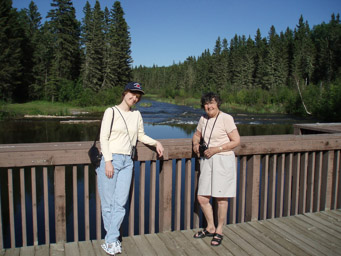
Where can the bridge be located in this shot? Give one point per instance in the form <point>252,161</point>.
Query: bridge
<point>288,199</point>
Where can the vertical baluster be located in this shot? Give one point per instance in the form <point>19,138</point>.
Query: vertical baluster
<point>187,214</point>
<point>327,180</point>
<point>46,206</point>
<point>310,181</point>
<point>60,203</point>
<point>132,206</point>
<point>165,206</point>
<point>86,203</point>
<point>152,197</point>
<point>336,180</point>
<point>288,184</point>
<point>98,212</point>
<point>34,206</point>
<point>196,217</point>
<point>303,183</point>
<point>264,187</point>
<point>11,206</point>
<point>23,206</point>
<point>272,186</point>
<point>177,199</point>
<point>318,182</point>
<point>242,189</point>
<point>233,202</point>
<point>252,188</point>
<point>295,183</point>
<point>142,198</point>
<point>280,185</point>
<point>75,203</point>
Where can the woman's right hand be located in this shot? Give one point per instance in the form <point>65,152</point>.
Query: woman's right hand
<point>196,149</point>
<point>109,169</point>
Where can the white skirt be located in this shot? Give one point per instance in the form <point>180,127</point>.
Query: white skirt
<point>218,176</point>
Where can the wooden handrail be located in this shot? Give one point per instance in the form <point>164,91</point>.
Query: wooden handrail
<point>303,172</point>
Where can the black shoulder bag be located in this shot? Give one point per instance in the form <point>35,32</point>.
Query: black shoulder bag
<point>94,154</point>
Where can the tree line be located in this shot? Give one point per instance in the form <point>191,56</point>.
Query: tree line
<point>298,69</point>
<point>87,62</point>
<point>63,59</point>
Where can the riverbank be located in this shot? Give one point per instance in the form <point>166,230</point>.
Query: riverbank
<point>56,109</point>
<point>226,107</point>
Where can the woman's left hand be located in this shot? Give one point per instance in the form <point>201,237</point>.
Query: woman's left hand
<point>159,149</point>
<point>211,151</point>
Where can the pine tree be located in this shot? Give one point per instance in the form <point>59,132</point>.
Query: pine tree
<point>11,55</point>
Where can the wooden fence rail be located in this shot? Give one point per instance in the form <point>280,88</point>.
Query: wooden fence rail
<point>277,176</point>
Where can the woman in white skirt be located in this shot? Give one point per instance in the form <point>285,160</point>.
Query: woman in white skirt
<point>215,137</point>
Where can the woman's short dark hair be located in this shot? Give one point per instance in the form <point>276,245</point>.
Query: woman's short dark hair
<point>208,97</point>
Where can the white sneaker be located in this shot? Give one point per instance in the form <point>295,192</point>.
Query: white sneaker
<point>118,247</point>
<point>109,248</point>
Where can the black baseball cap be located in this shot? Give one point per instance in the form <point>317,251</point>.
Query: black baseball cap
<point>134,87</point>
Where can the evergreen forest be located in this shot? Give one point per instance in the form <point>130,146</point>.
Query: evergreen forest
<point>87,62</point>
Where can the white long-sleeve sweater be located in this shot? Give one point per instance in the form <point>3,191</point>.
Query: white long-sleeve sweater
<point>118,141</point>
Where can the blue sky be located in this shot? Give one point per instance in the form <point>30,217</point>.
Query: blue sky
<point>164,32</point>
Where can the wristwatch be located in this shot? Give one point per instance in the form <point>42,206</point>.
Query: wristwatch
<point>221,148</point>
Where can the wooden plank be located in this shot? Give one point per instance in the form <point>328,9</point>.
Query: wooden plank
<point>171,244</point>
<point>302,236</point>
<point>318,182</point>
<point>295,183</point>
<point>12,252</point>
<point>34,206</point>
<point>327,180</point>
<point>42,250</point>
<point>292,238</point>
<point>57,249</point>
<point>280,185</point>
<point>272,186</point>
<point>310,181</point>
<point>277,238</point>
<point>324,221</point>
<point>303,183</point>
<point>129,246</point>
<point>336,189</point>
<point>329,218</point>
<point>227,247</point>
<point>183,243</point>
<point>96,244</point>
<point>314,223</point>
<point>72,248</point>
<point>253,241</point>
<point>263,238</point>
<point>131,206</point>
<point>203,247</point>
<point>239,241</point>
<point>27,251</point>
<point>318,233</point>
<point>143,246</point>
<point>157,244</point>
<point>86,248</point>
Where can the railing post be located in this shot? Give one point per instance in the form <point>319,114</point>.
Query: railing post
<point>252,188</point>
<point>327,180</point>
<point>60,203</point>
<point>165,207</point>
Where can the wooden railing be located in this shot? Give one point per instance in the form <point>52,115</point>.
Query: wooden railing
<point>277,176</point>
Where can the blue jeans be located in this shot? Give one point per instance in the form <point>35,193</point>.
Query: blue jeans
<point>114,194</point>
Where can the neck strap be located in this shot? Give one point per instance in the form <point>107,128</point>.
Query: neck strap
<point>209,139</point>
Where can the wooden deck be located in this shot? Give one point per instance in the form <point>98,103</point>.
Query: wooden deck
<point>301,129</point>
<point>307,234</point>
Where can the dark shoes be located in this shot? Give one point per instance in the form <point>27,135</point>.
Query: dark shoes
<point>203,233</point>
<point>216,240</point>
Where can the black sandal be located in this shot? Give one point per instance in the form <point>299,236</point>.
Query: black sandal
<point>216,240</point>
<point>203,233</point>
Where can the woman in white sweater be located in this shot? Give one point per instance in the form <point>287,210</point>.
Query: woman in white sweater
<point>116,168</point>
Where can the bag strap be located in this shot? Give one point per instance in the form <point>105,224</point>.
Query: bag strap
<point>211,130</point>
<point>131,145</point>
<point>99,129</point>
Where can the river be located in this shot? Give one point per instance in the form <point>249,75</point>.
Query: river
<point>162,121</point>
